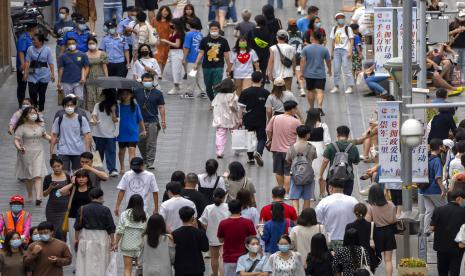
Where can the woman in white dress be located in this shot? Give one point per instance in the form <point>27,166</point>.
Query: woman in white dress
<point>145,64</point>
<point>319,138</point>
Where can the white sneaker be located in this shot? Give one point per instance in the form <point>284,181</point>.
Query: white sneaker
<point>299,10</point>
<point>334,90</point>
<point>302,92</point>
<point>172,91</point>
<point>349,90</point>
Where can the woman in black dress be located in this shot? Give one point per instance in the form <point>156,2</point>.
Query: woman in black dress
<point>260,41</point>
<point>272,23</point>
<point>56,206</point>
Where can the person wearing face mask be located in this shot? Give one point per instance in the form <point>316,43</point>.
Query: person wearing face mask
<point>137,181</point>
<point>276,67</point>
<point>457,34</point>
<point>303,22</point>
<point>71,134</point>
<point>342,41</point>
<point>23,44</point>
<point>80,34</point>
<point>315,26</point>
<point>152,103</point>
<point>73,67</point>
<point>11,257</point>
<point>30,162</point>
<point>88,11</point>
<point>117,50</point>
<point>253,260</point>
<point>98,61</point>
<point>191,51</point>
<point>146,64</point>
<point>15,117</point>
<point>296,41</point>
<point>16,219</point>
<point>126,26</point>
<point>285,262</point>
<point>61,27</point>
<point>244,62</point>
<point>214,50</point>
<point>49,255</point>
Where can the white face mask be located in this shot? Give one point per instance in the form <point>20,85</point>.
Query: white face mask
<point>32,117</point>
<point>214,34</point>
<point>62,16</point>
<point>82,27</point>
<point>92,46</point>
<point>112,31</point>
<point>69,110</point>
<point>253,248</point>
<point>72,47</point>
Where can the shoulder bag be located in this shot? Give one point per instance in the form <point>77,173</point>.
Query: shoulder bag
<point>287,62</point>
<point>254,265</point>
<point>65,225</point>
<point>364,262</point>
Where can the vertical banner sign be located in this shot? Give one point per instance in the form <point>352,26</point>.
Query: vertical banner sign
<point>420,162</point>
<point>389,141</point>
<point>382,38</point>
<point>400,29</point>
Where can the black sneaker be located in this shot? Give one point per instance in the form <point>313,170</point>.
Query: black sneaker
<point>321,112</point>
<point>203,95</point>
<point>185,76</point>
<point>258,159</point>
<point>188,96</point>
<point>371,94</point>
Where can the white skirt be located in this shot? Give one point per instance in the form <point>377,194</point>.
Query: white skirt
<point>93,255</point>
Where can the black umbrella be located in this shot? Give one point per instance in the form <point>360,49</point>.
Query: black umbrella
<point>114,82</point>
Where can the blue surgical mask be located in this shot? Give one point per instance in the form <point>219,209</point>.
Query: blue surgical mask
<point>147,84</point>
<point>45,237</point>
<point>341,21</point>
<point>36,237</point>
<point>82,27</point>
<point>16,208</point>
<point>284,248</point>
<point>318,25</point>
<point>16,243</point>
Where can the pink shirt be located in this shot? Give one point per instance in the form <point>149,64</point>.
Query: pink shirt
<point>283,128</point>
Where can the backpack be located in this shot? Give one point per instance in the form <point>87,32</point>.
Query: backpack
<point>301,168</point>
<point>60,120</point>
<point>346,30</point>
<point>152,38</point>
<point>340,169</point>
<point>208,192</point>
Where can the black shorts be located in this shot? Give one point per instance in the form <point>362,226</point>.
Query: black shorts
<point>123,145</point>
<point>280,165</point>
<point>147,4</point>
<point>384,238</point>
<point>396,197</point>
<point>315,84</point>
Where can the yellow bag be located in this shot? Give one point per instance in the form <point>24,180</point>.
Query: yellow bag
<point>65,225</point>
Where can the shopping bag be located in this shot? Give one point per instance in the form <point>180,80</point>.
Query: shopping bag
<point>112,268</point>
<point>97,161</point>
<point>239,140</point>
<point>361,83</point>
<point>251,141</point>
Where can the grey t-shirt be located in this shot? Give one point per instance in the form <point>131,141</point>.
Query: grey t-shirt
<point>315,56</point>
<point>71,141</point>
<point>244,27</point>
<point>277,105</point>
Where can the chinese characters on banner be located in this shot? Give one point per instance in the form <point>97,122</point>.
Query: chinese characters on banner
<point>400,32</point>
<point>389,141</point>
<point>382,39</point>
<point>420,162</point>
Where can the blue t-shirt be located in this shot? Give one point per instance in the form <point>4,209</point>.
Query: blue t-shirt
<point>149,102</point>
<point>129,123</point>
<point>24,42</point>
<point>59,29</point>
<point>192,42</point>
<point>434,171</point>
<point>122,26</point>
<point>302,24</point>
<point>115,48</point>
<point>357,42</point>
<point>72,64</point>
<point>315,56</point>
<point>81,39</point>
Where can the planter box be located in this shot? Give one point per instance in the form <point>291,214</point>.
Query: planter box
<point>412,271</point>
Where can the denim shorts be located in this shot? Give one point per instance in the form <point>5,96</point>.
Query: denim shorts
<point>305,192</point>
<point>215,8</point>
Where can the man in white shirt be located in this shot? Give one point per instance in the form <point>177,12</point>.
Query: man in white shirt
<point>137,181</point>
<point>277,67</point>
<point>362,18</point>
<point>169,209</point>
<point>335,212</point>
<point>342,41</point>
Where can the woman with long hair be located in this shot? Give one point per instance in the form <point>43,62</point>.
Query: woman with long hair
<point>145,63</point>
<point>161,23</point>
<point>129,231</point>
<point>17,114</point>
<point>348,258</point>
<point>130,123</point>
<point>272,23</point>
<point>210,180</point>
<point>279,95</point>
<point>315,25</point>
<point>285,262</point>
<point>210,219</point>
<point>307,226</point>
<point>189,15</point>
<point>39,70</point>
<point>319,259</point>
<point>275,228</point>
<point>319,138</point>
<point>259,39</point>
<point>12,255</point>
<point>175,55</point>
<point>244,61</point>
<point>249,211</point>
<point>98,61</point>
<point>236,180</point>
<point>158,253</point>
<point>104,122</point>
<point>56,206</point>
<point>383,214</point>
<point>30,161</point>
<point>253,259</point>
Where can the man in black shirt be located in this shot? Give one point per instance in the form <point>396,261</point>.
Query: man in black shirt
<point>190,243</point>
<point>190,192</point>
<point>253,101</point>
<point>446,223</point>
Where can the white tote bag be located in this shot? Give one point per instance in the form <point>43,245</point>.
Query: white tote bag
<point>239,140</point>
<point>251,141</point>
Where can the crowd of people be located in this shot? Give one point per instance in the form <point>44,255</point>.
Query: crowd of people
<point>209,214</point>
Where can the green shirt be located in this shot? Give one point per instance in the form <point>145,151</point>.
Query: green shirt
<point>354,157</point>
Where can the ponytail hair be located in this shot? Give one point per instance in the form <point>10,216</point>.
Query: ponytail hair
<point>360,210</point>
<point>218,196</point>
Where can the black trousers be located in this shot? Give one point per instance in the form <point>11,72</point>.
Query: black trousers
<point>117,69</point>
<point>449,263</point>
<point>261,140</point>
<point>37,94</point>
<point>21,89</point>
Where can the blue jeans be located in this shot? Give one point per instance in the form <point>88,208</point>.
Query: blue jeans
<point>373,83</point>
<point>461,60</point>
<point>211,14</point>
<point>278,2</point>
<point>232,13</point>
<point>109,12</point>
<point>106,147</point>
<point>211,77</point>
<point>342,65</point>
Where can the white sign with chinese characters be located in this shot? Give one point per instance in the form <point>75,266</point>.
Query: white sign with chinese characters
<point>389,141</point>
<point>382,38</point>
<point>420,163</point>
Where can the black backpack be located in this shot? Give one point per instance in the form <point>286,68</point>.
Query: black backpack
<point>208,192</point>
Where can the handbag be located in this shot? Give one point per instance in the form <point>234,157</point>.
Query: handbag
<point>251,141</point>
<point>364,262</point>
<point>254,265</point>
<point>287,62</point>
<point>97,160</point>
<point>65,225</point>
<point>239,140</point>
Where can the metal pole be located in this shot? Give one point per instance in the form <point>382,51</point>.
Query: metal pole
<point>406,152</point>
<point>421,15</point>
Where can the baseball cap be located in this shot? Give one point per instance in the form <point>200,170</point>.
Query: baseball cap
<point>279,82</point>
<point>339,14</point>
<point>17,199</point>
<point>282,34</point>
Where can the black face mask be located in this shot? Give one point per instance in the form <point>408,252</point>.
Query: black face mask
<point>137,170</point>
<point>145,53</point>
